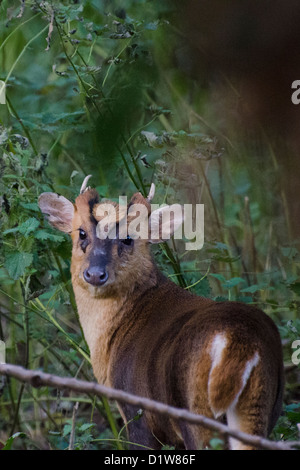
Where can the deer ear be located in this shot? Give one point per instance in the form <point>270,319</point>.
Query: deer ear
<point>164,222</point>
<point>60,211</point>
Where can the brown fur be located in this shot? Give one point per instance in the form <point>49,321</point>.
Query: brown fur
<point>150,337</point>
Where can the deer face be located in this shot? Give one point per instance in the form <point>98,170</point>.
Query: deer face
<point>109,264</point>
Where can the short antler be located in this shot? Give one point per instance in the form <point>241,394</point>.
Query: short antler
<point>84,184</point>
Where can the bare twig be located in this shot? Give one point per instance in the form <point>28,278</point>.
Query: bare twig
<point>50,31</point>
<point>72,435</point>
<point>37,378</point>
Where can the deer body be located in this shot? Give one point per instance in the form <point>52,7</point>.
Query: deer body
<point>152,338</point>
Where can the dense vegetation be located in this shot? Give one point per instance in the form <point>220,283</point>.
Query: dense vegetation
<point>93,87</point>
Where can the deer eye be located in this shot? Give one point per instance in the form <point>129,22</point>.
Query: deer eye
<point>127,241</point>
<point>82,234</point>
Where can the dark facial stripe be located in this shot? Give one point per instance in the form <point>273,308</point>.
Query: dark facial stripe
<point>94,200</point>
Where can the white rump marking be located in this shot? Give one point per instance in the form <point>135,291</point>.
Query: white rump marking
<point>246,374</point>
<point>232,417</point>
<point>217,347</point>
<point>216,352</point>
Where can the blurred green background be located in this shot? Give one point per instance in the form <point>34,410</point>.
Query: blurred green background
<point>135,92</point>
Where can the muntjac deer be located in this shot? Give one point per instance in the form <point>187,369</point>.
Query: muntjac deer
<point>150,337</point>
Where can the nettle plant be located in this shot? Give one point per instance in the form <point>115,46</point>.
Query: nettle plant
<point>23,238</point>
<point>35,292</point>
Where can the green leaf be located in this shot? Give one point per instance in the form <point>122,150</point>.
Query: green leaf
<point>71,12</point>
<point>220,277</point>
<point>228,284</point>
<point>32,206</point>
<point>293,416</point>
<point>27,227</point>
<point>233,282</point>
<point>49,122</point>
<point>86,426</point>
<point>10,440</point>
<point>67,430</point>
<point>44,235</point>
<point>16,263</point>
<point>216,444</point>
<point>256,288</point>
<point>292,407</point>
<point>295,287</point>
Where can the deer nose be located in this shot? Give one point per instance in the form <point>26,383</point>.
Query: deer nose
<point>95,275</point>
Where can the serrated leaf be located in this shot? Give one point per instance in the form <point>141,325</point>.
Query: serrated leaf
<point>16,263</point>
<point>29,226</point>
<point>86,426</point>
<point>26,228</point>
<point>70,11</point>
<point>32,206</point>
<point>44,235</point>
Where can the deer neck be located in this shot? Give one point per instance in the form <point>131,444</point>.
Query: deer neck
<point>99,318</point>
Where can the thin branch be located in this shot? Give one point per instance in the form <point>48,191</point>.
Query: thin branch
<point>50,31</point>
<point>72,435</point>
<point>26,329</point>
<point>37,378</point>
